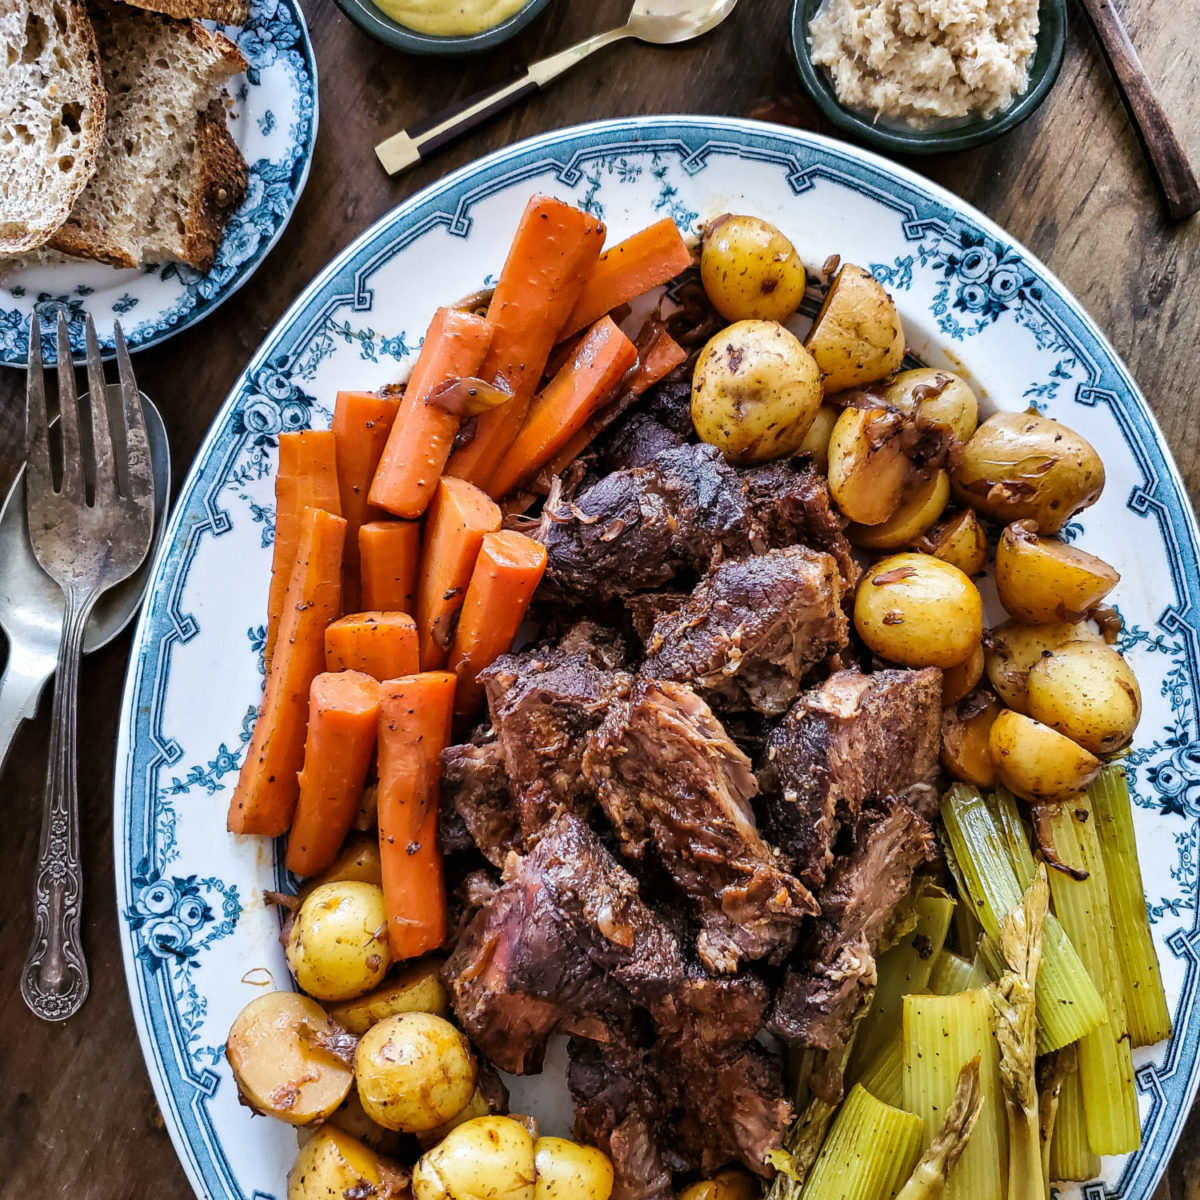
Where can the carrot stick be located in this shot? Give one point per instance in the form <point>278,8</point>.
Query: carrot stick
<point>553,253</point>
<point>651,257</point>
<point>415,714</point>
<point>507,572</point>
<point>565,404</point>
<point>458,518</point>
<point>307,478</point>
<point>361,422</point>
<point>423,433</point>
<point>380,644</point>
<point>388,553</point>
<point>267,789</point>
<point>343,722</point>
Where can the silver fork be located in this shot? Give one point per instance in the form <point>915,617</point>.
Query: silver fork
<point>88,534</point>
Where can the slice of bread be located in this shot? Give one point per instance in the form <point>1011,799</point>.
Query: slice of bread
<point>160,75</point>
<point>224,12</point>
<point>52,106</point>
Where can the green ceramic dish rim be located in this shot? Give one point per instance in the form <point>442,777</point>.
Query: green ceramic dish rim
<point>1043,71</point>
<point>382,28</point>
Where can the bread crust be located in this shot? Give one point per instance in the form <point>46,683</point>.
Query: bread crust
<point>221,188</point>
<point>224,12</point>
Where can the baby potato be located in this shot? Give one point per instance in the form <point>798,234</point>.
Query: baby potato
<point>816,440</point>
<point>939,396</point>
<point>415,1071</point>
<point>357,861</point>
<point>1039,579</point>
<point>1012,648</point>
<point>856,338</point>
<point>568,1171</point>
<point>1038,763</point>
<point>489,1158</point>
<point>1087,691</point>
<point>755,392</point>
<point>337,946</point>
<point>1020,465</point>
<point>477,1106</point>
<point>352,1118</point>
<point>917,611</point>
<point>867,468</point>
<point>750,270</point>
<point>959,681</point>
<point>729,1184</point>
<point>287,1058</point>
<point>966,749</point>
<point>418,988</point>
<point>914,516</point>
<point>960,540</point>
<point>332,1165</point>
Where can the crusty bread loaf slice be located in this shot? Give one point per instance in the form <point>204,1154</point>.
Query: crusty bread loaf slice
<point>160,74</point>
<point>51,116</point>
<point>224,12</point>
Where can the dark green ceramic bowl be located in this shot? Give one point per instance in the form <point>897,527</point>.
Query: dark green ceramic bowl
<point>382,28</point>
<point>1047,59</point>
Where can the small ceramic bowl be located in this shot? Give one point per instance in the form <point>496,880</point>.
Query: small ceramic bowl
<point>375,22</point>
<point>975,131</point>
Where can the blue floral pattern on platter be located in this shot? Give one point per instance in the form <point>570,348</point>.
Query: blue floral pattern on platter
<point>191,896</point>
<point>274,122</point>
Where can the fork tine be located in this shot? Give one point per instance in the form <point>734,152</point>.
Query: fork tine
<point>102,444</point>
<point>139,475</point>
<point>68,420</point>
<point>37,441</point>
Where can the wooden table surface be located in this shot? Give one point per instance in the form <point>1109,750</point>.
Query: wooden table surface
<point>77,1115</point>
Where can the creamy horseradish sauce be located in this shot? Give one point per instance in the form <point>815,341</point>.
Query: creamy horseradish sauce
<point>450,18</point>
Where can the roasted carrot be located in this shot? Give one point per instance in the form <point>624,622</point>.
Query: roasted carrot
<point>458,518</point>
<point>562,408</point>
<point>381,644</point>
<point>553,253</point>
<point>361,422</point>
<point>423,433</point>
<point>415,713</point>
<point>307,478</point>
<point>651,257</point>
<point>343,722</point>
<point>507,572</point>
<point>388,553</point>
<point>267,788</point>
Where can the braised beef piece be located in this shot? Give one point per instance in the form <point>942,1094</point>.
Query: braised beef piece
<point>544,703</point>
<point>566,937</point>
<point>666,774</point>
<point>670,404</point>
<point>753,629</point>
<point>853,737</point>
<point>636,441</point>
<point>833,971</point>
<point>637,528</point>
<point>475,802</point>
<point>647,608</point>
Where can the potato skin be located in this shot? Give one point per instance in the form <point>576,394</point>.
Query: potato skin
<point>417,988</point>
<point>750,271</point>
<point>816,440</point>
<point>755,392</point>
<point>917,611</point>
<point>938,396</point>
<point>488,1158</point>
<point>966,751</point>
<point>1038,763</point>
<point>415,1071</point>
<point>867,468</point>
<point>332,1165</point>
<point>337,946</point>
<point>1021,465</point>
<point>358,860</point>
<point>961,540</point>
<point>958,681</point>
<point>1012,648</point>
<point>915,515</point>
<point>1087,691</point>
<point>569,1171</point>
<point>1040,579</point>
<point>729,1184</point>
<point>857,337</point>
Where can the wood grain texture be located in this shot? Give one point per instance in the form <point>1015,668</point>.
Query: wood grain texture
<point>77,1116</point>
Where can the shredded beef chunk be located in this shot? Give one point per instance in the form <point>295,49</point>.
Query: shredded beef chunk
<point>853,737</point>
<point>475,800</point>
<point>753,629</point>
<point>666,773</point>
<point>565,938</point>
<point>636,442</point>
<point>834,969</point>
<point>638,527</point>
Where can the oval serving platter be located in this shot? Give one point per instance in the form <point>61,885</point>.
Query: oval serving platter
<point>199,942</point>
<point>273,120</point>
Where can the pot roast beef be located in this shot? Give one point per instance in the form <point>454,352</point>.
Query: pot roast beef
<point>475,799</point>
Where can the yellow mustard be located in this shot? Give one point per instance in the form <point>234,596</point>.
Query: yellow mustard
<point>450,18</point>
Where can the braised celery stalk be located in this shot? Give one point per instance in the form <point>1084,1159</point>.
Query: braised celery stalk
<point>870,1149</point>
<point>884,1074</point>
<point>930,1176</point>
<point>1082,905</point>
<point>1068,1004</point>
<point>952,973</point>
<point>1012,831</point>
<point>1145,1001</point>
<point>941,1035</point>
<point>1071,1158</point>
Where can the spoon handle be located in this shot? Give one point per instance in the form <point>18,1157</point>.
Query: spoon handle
<point>411,146</point>
<point>21,685</point>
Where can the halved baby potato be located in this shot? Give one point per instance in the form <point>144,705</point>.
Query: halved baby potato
<point>1038,763</point>
<point>966,749</point>
<point>960,681</point>
<point>417,988</point>
<point>1012,648</point>
<point>857,338</point>
<point>867,466</point>
<point>961,540</point>
<point>332,1165</point>
<point>358,860</point>
<point>917,512</point>
<point>816,440</point>
<point>1041,579</point>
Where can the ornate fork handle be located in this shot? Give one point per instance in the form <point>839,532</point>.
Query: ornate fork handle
<point>54,982</point>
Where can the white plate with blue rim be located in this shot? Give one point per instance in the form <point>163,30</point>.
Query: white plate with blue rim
<point>197,938</point>
<point>274,122</point>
